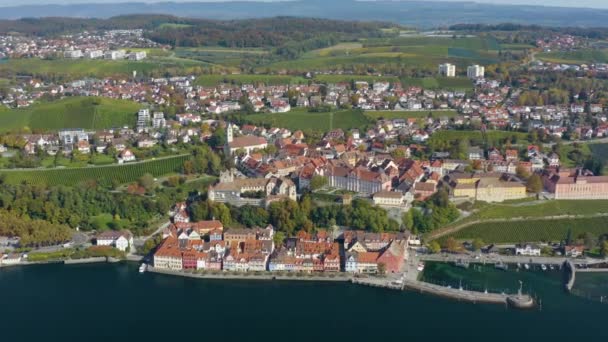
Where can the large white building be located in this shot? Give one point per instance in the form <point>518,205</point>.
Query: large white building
<point>447,70</point>
<point>476,71</point>
<point>122,240</point>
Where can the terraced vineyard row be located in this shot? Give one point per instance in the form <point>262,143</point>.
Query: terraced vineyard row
<point>104,175</point>
<point>533,230</point>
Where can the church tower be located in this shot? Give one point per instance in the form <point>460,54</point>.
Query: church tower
<point>229,133</point>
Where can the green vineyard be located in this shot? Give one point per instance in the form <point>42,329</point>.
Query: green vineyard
<point>533,230</point>
<point>103,175</point>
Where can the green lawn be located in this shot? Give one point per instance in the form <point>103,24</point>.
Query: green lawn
<point>494,137</point>
<point>533,230</point>
<point>446,83</point>
<point>71,112</point>
<point>302,119</point>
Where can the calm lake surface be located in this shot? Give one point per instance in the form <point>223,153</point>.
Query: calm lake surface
<point>113,301</point>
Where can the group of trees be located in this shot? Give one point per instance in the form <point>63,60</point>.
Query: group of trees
<point>433,213</point>
<point>77,206</point>
<point>288,216</point>
<point>32,232</point>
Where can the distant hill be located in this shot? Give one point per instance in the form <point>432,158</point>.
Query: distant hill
<point>71,112</point>
<point>423,14</point>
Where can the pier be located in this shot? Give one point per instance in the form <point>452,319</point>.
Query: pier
<point>520,301</point>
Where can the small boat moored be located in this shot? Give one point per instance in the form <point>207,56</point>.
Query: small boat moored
<point>501,266</point>
<point>143,268</point>
<point>543,267</point>
<point>420,267</point>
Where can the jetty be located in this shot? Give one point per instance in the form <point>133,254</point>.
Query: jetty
<point>520,301</point>
<point>571,272</point>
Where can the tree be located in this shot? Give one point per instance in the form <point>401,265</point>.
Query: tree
<point>317,182</point>
<point>408,220</point>
<point>604,248</point>
<point>146,181</point>
<point>452,245</point>
<point>434,247</point>
<point>522,172</point>
<point>381,269</point>
<point>477,244</point>
<point>534,184</point>
<point>279,239</point>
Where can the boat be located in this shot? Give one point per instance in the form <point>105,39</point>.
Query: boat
<point>543,267</point>
<point>420,267</point>
<point>501,266</point>
<point>143,268</point>
<point>551,267</point>
<point>461,263</point>
<point>518,265</point>
<point>526,266</point>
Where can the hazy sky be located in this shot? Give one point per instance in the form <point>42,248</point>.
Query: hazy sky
<point>565,3</point>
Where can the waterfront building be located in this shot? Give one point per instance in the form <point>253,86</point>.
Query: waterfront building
<point>527,250</point>
<point>121,240</point>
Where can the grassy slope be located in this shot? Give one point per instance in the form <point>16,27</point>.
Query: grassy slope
<point>103,174</point>
<point>302,119</point>
<point>533,230</point>
<point>576,57</point>
<point>73,112</point>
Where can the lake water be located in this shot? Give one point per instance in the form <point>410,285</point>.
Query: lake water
<point>112,301</point>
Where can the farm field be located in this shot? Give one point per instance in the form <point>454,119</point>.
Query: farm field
<point>227,57</point>
<point>533,230</point>
<point>448,83</point>
<point>304,120</point>
<point>329,79</point>
<point>213,80</point>
<point>104,175</point>
<point>74,69</point>
<point>405,114</point>
<point>576,57</point>
<point>72,112</point>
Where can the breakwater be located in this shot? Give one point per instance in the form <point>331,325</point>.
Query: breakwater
<point>517,301</point>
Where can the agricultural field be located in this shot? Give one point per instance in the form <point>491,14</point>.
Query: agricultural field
<point>104,175</point>
<point>72,112</point>
<point>333,79</point>
<point>447,83</point>
<point>227,57</point>
<point>304,120</point>
<point>75,69</point>
<point>213,80</point>
<point>533,230</point>
<point>575,57</point>
<point>405,114</point>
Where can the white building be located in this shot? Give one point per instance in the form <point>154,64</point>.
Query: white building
<point>527,250</point>
<point>476,71</point>
<point>115,55</point>
<point>143,119</point>
<point>72,54</point>
<point>137,56</point>
<point>389,199</point>
<point>447,70</point>
<point>158,121</point>
<point>94,54</point>
<point>119,239</point>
